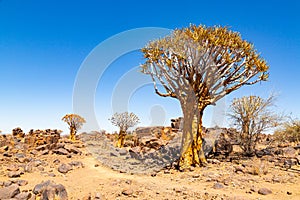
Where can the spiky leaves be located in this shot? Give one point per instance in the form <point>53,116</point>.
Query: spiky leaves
<point>212,61</point>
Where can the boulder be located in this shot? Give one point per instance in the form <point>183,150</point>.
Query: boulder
<point>61,151</point>
<point>64,168</point>
<point>9,192</point>
<point>18,132</point>
<point>50,190</point>
<point>264,191</point>
<point>23,196</point>
<point>14,174</point>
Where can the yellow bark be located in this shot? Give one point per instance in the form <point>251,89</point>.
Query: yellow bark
<point>121,139</point>
<point>72,133</point>
<point>192,152</point>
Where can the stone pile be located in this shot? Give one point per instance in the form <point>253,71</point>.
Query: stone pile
<point>217,141</point>
<point>44,190</point>
<point>177,123</point>
<point>18,132</point>
<point>137,160</point>
<point>152,137</point>
<point>41,137</point>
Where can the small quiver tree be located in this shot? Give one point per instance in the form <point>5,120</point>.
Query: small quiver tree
<point>199,65</point>
<point>75,122</point>
<point>124,121</point>
<point>251,116</point>
<point>289,131</point>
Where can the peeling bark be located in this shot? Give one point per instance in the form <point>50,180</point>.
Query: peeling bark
<point>192,153</point>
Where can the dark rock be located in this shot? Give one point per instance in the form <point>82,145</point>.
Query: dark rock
<point>61,151</point>
<point>50,190</point>
<point>23,196</point>
<point>259,153</point>
<point>22,160</point>
<point>6,154</point>
<point>34,152</point>
<point>4,148</point>
<point>264,191</point>
<point>45,152</point>
<point>218,186</point>
<point>72,149</point>
<point>9,192</point>
<point>51,174</point>
<point>64,168</point>
<point>28,168</point>
<point>14,174</point>
<point>238,169</point>
<point>127,192</point>
<point>56,161</point>
<point>57,192</point>
<point>7,183</point>
<point>21,182</point>
<point>42,147</point>
<point>76,164</point>
<point>288,193</point>
<point>123,152</point>
<point>297,147</point>
<point>60,145</point>
<point>114,154</point>
<point>39,187</point>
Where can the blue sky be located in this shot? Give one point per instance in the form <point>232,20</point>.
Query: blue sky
<point>44,43</point>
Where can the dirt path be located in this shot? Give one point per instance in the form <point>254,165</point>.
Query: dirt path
<point>109,184</point>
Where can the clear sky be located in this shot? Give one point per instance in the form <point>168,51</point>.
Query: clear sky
<point>44,43</point>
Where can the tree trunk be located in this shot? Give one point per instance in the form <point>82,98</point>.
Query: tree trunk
<point>121,138</point>
<point>191,152</point>
<point>72,133</point>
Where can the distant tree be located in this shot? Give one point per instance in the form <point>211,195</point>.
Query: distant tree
<point>289,132</point>
<point>199,65</point>
<point>124,121</point>
<point>251,116</point>
<point>75,122</point>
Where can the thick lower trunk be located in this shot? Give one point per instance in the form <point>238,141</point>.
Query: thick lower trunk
<point>192,153</point>
<point>72,133</point>
<point>121,139</point>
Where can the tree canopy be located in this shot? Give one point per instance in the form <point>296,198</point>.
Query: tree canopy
<point>124,120</point>
<point>74,121</point>
<point>210,61</point>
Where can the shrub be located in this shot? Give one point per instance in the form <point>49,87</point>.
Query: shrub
<point>289,132</point>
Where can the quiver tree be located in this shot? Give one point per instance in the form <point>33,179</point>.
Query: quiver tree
<point>124,121</point>
<point>289,131</point>
<point>198,66</point>
<point>252,116</point>
<point>75,122</point>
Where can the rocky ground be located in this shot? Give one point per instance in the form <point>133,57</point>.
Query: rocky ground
<point>91,168</point>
